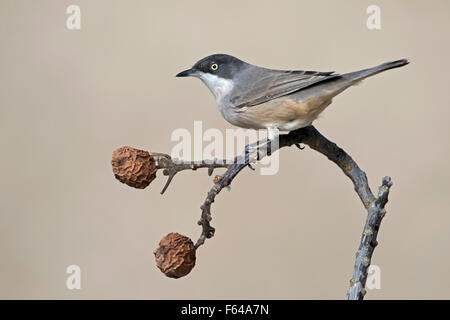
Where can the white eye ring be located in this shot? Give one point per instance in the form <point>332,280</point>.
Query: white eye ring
<point>214,67</point>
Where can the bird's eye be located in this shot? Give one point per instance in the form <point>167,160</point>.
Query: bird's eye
<point>214,66</point>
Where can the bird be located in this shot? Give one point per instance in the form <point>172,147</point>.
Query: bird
<point>253,97</point>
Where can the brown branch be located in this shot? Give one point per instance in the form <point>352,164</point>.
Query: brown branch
<point>172,167</point>
<point>311,137</point>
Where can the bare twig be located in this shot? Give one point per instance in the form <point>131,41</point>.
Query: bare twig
<point>172,166</point>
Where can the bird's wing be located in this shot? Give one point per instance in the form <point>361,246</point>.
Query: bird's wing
<point>271,84</point>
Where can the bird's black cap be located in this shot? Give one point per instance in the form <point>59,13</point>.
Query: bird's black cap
<point>222,65</point>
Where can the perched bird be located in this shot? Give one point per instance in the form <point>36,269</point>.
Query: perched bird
<point>254,97</point>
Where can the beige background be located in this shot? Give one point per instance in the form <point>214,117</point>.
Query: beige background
<point>69,98</point>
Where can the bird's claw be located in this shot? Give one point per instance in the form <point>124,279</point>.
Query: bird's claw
<point>299,146</point>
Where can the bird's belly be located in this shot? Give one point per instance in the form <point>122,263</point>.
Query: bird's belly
<point>285,113</point>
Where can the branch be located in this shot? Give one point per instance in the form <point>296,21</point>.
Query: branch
<point>173,166</point>
<point>137,168</point>
<point>311,137</point>
<point>369,241</point>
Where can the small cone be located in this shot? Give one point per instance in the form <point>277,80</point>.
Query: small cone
<point>136,168</point>
<point>175,256</point>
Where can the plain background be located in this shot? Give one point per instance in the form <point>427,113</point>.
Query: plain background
<point>69,98</point>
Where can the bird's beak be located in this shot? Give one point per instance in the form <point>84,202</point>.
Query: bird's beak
<point>187,73</point>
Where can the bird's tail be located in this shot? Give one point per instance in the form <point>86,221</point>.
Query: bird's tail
<point>362,74</point>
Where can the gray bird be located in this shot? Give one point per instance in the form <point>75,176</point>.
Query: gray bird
<point>254,97</point>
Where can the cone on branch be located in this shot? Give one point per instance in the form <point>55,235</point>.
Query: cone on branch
<point>134,167</point>
<point>175,256</point>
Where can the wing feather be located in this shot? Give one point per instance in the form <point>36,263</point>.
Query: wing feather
<point>272,84</point>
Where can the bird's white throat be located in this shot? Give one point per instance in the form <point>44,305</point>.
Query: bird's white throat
<point>220,87</point>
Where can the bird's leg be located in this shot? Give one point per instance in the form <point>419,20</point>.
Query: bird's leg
<point>273,134</point>
<point>273,139</point>
<point>255,146</point>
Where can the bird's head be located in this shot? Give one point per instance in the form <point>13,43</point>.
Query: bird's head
<point>217,71</point>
